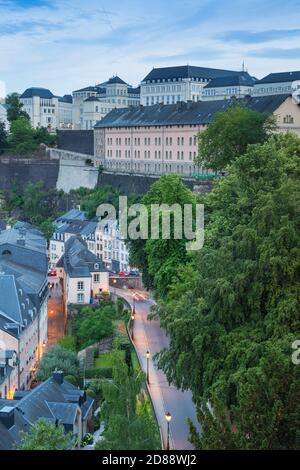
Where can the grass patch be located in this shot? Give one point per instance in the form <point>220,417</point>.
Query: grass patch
<point>105,360</point>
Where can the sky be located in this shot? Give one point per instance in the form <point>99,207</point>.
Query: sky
<point>65,45</point>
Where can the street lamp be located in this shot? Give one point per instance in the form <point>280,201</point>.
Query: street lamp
<point>133,298</point>
<point>168,417</point>
<point>114,281</point>
<point>148,357</point>
<point>132,323</point>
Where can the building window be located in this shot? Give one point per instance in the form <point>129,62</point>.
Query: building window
<point>96,278</point>
<point>80,285</point>
<point>80,298</point>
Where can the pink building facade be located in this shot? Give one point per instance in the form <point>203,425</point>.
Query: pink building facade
<point>153,140</point>
<point>148,149</point>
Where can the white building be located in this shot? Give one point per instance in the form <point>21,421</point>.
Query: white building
<point>278,84</point>
<point>46,109</point>
<point>110,247</point>
<point>92,103</point>
<point>84,275</point>
<point>239,86</point>
<point>23,306</point>
<point>181,83</point>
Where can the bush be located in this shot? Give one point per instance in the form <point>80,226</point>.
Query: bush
<point>71,379</point>
<point>98,373</point>
<point>68,342</point>
<point>58,358</point>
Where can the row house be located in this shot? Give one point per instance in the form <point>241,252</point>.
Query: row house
<point>163,138</point>
<point>23,306</point>
<point>111,247</point>
<point>83,274</point>
<point>55,401</point>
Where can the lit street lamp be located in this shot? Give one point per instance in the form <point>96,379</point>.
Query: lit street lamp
<point>114,281</point>
<point>148,357</point>
<point>132,324</point>
<point>168,417</point>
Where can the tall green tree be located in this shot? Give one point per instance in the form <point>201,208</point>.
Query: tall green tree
<point>3,137</point>
<point>46,436</point>
<point>158,258</point>
<point>129,424</point>
<point>232,311</point>
<point>21,137</point>
<point>15,110</point>
<point>229,135</point>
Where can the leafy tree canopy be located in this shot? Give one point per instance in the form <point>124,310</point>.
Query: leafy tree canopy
<point>59,358</point>
<point>15,110</point>
<point>46,436</point>
<point>229,135</point>
<point>232,311</point>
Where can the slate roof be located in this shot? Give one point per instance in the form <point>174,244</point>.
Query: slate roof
<point>134,91</point>
<point>2,225</point>
<point>23,276</point>
<point>65,99</point>
<point>78,261</point>
<point>35,91</point>
<point>191,113</point>
<point>77,227</point>
<point>87,88</point>
<point>186,71</point>
<point>278,77</point>
<point>50,400</point>
<point>70,216</point>
<point>114,80</point>
<point>242,79</point>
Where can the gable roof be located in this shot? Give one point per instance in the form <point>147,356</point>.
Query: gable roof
<point>35,91</point>
<point>190,113</point>
<point>186,71</point>
<point>78,260</point>
<point>278,77</point>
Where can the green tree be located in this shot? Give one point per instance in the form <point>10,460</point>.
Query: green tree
<point>43,136</point>
<point>47,228</point>
<point>60,358</point>
<point>15,108</point>
<point>67,342</point>
<point>21,137</point>
<point>129,424</point>
<point>3,137</point>
<point>92,325</point>
<point>232,311</point>
<point>46,436</point>
<point>158,258</point>
<point>229,135</point>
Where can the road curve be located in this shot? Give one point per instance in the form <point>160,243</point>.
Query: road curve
<point>149,336</point>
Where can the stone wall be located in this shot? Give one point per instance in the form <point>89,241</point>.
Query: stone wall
<point>21,172</point>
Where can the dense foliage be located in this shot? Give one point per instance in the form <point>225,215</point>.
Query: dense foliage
<point>15,108</point>
<point>158,258</point>
<point>3,137</point>
<point>228,136</point>
<point>129,423</point>
<point>233,313</point>
<point>91,325</point>
<point>59,358</point>
<point>44,435</point>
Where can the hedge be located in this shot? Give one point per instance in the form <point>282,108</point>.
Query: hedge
<point>98,373</point>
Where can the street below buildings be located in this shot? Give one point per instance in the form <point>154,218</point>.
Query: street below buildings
<point>149,336</point>
<point>56,316</point>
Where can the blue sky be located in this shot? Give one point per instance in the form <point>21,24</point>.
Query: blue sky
<point>66,44</point>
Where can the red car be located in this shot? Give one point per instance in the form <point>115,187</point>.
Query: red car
<point>52,273</point>
<point>123,274</point>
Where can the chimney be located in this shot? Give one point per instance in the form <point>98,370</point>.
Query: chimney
<point>58,376</point>
<point>7,416</point>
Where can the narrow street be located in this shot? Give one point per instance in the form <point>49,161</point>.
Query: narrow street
<point>56,318</point>
<point>148,335</point>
